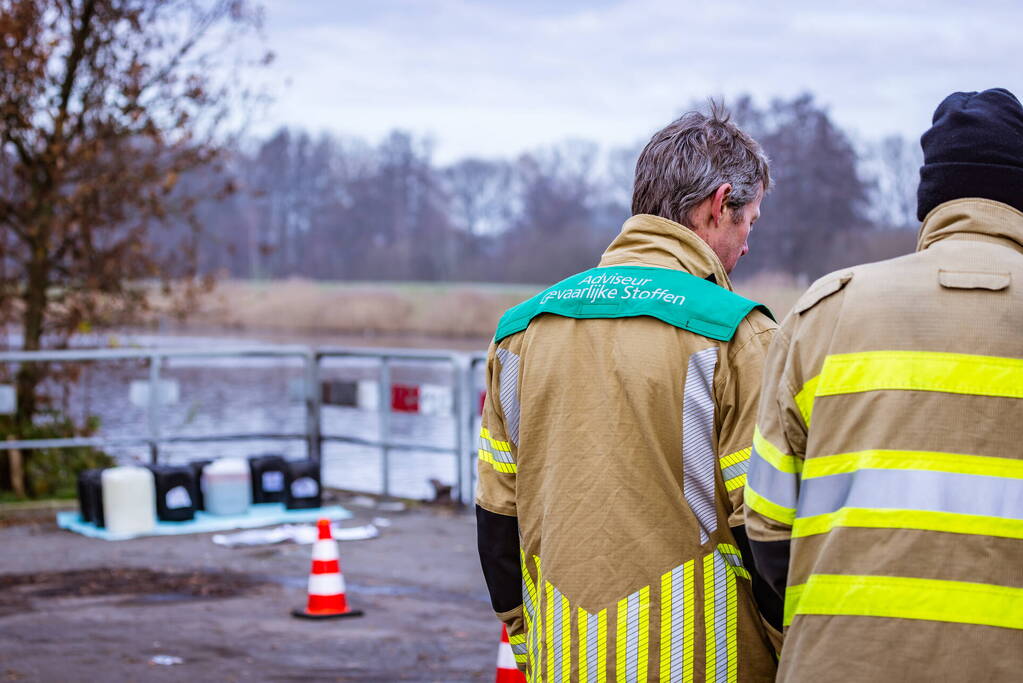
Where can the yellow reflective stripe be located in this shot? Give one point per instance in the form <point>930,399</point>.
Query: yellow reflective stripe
<point>804,399</point>
<point>623,615</point>
<point>530,616</point>
<point>502,467</point>
<point>925,520</point>
<point>735,483</point>
<point>710,637</point>
<point>540,633</point>
<point>913,460</point>
<point>960,602</point>
<point>643,656</point>
<point>955,373</point>
<point>689,618</point>
<point>771,454</point>
<point>758,503</point>
<point>582,625</point>
<point>729,549</point>
<point>566,639</point>
<point>732,627</point>
<point>736,457</point>
<point>501,445</point>
<point>666,626</point>
<point>517,640</point>
<point>602,646</point>
<point>498,445</point>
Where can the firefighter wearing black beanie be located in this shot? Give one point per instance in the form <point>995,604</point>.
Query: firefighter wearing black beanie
<point>911,369</point>
<point>973,149</point>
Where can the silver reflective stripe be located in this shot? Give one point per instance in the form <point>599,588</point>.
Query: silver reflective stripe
<point>555,667</point>
<point>735,470</point>
<point>592,643</point>
<point>502,456</point>
<point>510,392</point>
<point>698,440</point>
<point>519,649</point>
<point>732,559</point>
<point>493,450</point>
<point>721,576</point>
<point>778,487</point>
<point>678,635</point>
<point>527,598</point>
<point>632,639</point>
<point>967,494</point>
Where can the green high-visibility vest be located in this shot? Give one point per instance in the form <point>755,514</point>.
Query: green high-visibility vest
<point>673,296</point>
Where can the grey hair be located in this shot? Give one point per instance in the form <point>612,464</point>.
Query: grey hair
<point>687,160</point>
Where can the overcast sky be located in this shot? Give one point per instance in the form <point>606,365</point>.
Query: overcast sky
<point>499,77</point>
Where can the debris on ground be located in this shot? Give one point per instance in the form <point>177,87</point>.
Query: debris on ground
<point>303,534</point>
<point>166,660</point>
<point>441,492</point>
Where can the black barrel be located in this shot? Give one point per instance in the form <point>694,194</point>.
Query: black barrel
<point>303,485</point>
<point>90,494</point>
<point>268,478</point>
<point>85,494</point>
<point>175,492</point>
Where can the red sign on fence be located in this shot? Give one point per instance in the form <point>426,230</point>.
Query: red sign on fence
<point>404,398</point>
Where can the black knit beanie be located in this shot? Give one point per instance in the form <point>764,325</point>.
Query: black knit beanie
<point>973,149</point>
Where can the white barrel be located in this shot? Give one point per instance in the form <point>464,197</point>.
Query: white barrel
<point>226,487</point>
<point>129,500</point>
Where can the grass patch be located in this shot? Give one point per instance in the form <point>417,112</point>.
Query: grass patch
<point>443,310</point>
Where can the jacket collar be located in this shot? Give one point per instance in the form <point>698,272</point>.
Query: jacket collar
<point>647,240</point>
<point>973,219</point>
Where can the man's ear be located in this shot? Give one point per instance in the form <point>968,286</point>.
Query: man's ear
<point>717,205</point>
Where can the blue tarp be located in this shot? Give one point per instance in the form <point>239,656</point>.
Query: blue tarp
<point>264,514</point>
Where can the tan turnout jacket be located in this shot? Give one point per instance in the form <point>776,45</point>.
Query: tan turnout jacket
<point>890,451</point>
<point>621,446</point>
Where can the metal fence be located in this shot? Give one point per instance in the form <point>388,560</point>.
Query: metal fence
<point>463,371</point>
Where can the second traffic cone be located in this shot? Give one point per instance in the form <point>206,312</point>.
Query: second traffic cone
<point>326,585</point>
<point>507,671</point>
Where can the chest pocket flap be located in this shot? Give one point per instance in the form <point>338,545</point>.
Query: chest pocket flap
<point>962,279</point>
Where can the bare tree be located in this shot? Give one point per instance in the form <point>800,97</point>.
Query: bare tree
<point>480,193</point>
<point>895,163</point>
<point>104,106</point>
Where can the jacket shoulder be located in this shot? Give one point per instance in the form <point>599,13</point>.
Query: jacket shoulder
<point>822,289</point>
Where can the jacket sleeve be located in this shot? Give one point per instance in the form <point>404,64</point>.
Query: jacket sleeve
<point>779,447</point>
<point>738,397</point>
<point>497,528</point>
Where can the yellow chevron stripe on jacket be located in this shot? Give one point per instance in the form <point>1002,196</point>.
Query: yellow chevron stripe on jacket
<point>556,651</point>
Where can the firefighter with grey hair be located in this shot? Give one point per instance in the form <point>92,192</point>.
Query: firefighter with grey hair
<point>616,434</point>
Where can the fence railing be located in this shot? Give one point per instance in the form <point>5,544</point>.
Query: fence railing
<point>463,367</point>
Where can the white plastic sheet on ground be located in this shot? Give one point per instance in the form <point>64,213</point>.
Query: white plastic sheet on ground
<point>303,534</point>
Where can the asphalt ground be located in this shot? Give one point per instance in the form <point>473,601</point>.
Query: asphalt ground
<point>79,609</point>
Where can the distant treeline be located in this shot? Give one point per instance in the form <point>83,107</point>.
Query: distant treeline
<point>339,208</point>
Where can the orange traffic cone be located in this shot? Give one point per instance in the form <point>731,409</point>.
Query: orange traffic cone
<point>326,585</point>
<point>507,672</point>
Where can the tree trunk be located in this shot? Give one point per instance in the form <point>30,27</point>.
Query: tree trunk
<point>17,471</point>
<point>31,374</point>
